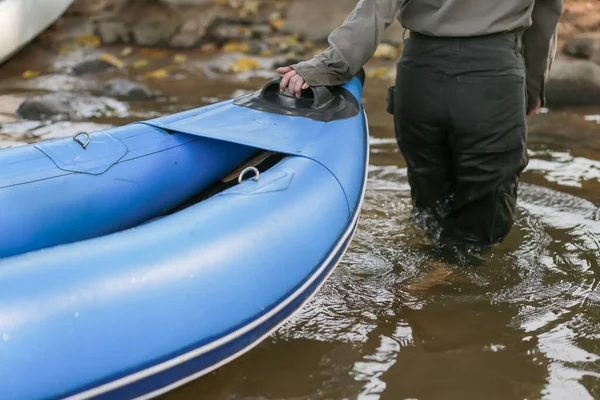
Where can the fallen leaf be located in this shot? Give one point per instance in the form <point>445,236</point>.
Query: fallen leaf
<point>266,53</point>
<point>290,40</point>
<point>277,23</point>
<point>29,74</point>
<point>179,58</point>
<point>112,60</point>
<point>159,73</point>
<point>236,47</point>
<point>244,64</point>
<point>156,53</point>
<point>126,51</point>
<point>141,63</point>
<point>88,40</point>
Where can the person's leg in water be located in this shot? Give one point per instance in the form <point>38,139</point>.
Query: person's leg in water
<point>459,111</point>
<point>421,124</point>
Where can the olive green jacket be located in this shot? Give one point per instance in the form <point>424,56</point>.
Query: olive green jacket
<point>353,43</point>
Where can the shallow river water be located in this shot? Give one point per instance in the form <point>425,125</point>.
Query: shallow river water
<point>399,320</point>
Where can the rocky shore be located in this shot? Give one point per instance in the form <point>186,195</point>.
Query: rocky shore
<point>103,54</point>
<point>298,28</point>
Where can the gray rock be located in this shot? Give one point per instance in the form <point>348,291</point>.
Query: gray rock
<point>127,90</point>
<point>194,29</point>
<point>224,32</point>
<point>256,47</point>
<point>184,40</point>
<point>316,19</point>
<point>573,82</point>
<point>113,32</point>
<point>92,66</point>
<point>260,31</point>
<point>190,25</point>
<point>188,36</point>
<point>154,30</point>
<point>585,46</point>
<point>40,109</point>
<point>62,106</point>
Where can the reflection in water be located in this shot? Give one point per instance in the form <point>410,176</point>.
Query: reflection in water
<point>400,320</point>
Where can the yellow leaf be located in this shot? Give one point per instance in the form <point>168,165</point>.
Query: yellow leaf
<point>266,53</point>
<point>277,23</point>
<point>112,60</point>
<point>64,49</point>
<point>244,64</point>
<point>290,40</point>
<point>88,40</point>
<point>141,63</point>
<point>126,51</point>
<point>179,58</point>
<point>159,73</point>
<point>236,47</point>
<point>30,74</point>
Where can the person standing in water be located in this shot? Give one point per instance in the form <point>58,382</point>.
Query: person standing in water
<point>470,73</point>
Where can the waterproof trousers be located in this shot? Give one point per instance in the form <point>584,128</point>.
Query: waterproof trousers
<point>459,108</point>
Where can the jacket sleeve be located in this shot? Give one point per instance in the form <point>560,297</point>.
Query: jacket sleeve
<point>539,47</point>
<point>351,45</point>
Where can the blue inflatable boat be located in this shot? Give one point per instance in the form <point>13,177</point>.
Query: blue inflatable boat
<point>136,259</point>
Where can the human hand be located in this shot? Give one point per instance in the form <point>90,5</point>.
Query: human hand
<point>535,108</point>
<point>291,80</point>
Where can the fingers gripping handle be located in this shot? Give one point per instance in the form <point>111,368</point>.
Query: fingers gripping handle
<point>313,97</point>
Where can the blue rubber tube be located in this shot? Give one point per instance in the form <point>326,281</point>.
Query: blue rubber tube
<point>42,205</point>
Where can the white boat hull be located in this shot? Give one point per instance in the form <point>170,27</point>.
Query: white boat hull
<point>22,20</point>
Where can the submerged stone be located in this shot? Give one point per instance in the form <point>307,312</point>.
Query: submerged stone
<point>62,106</point>
<point>93,66</point>
<point>127,90</point>
<point>573,82</point>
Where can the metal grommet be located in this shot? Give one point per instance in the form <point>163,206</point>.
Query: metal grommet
<point>249,169</point>
<point>82,144</point>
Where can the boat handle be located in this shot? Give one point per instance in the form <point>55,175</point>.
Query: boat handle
<point>82,144</point>
<point>249,169</point>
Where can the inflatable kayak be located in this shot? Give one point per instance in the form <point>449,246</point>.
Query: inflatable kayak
<point>22,20</point>
<point>139,258</point>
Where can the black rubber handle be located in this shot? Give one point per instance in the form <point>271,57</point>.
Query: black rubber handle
<point>313,97</point>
